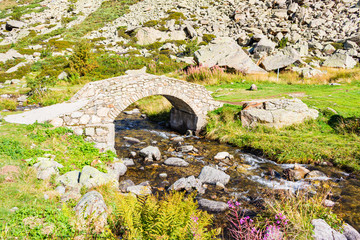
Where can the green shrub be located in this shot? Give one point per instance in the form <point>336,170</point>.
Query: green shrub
<point>8,104</point>
<point>191,48</point>
<point>151,23</point>
<point>208,37</point>
<point>39,85</point>
<point>282,43</point>
<point>174,217</point>
<point>82,61</point>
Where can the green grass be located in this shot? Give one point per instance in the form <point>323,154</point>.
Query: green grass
<point>311,142</point>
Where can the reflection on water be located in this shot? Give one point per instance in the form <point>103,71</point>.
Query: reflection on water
<point>251,176</point>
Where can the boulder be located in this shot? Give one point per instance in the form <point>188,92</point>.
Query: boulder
<point>9,55</point>
<point>350,232</point>
<point>188,184</point>
<point>93,206</point>
<point>264,45</point>
<point>212,176</point>
<point>297,173</point>
<point>11,24</point>
<point>69,179</point>
<point>322,231</point>
<point>46,168</point>
<point>123,185</point>
<point>148,35</point>
<point>150,153</point>
<point>213,206</point>
<point>340,60</point>
<point>63,75</point>
<point>329,49</point>
<point>223,155</point>
<point>16,67</point>
<point>277,113</point>
<point>117,169</point>
<point>277,62</point>
<point>225,52</point>
<point>91,177</point>
<point>174,161</point>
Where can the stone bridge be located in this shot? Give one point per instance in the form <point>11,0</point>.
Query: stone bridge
<point>97,105</point>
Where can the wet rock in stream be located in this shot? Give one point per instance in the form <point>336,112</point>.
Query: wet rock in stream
<point>212,206</point>
<point>212,176</point>
<point>151,153</point>
<point>188,184</point>
<point>178,162</point>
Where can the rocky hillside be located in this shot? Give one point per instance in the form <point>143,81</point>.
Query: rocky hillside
<point>275,34</point>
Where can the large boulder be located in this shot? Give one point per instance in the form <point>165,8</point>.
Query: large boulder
<point>264,45</point>
<point>340,60</point>
<point>277,113</point>
<point>92,209</point>
<point>322,231</point>
<point>277,61</point>
<point>69,179</point>
<point>350,232</point>
<point>225,52</point>
<point>148,35</point>
<point>212,176</point>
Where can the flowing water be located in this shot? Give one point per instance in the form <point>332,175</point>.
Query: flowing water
<point>251,176</point>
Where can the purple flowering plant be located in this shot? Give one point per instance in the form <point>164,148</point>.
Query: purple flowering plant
<point>244,228</point>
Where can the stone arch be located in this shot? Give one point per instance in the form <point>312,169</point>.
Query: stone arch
<point>106,99</point>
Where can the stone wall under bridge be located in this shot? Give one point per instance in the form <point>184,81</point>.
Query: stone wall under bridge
<point>106,99</point>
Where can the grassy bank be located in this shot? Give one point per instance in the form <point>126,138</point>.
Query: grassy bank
<point>331,138</point>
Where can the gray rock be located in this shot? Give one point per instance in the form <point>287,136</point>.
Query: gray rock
<point>264,45</point>
<point>93,206</point>
<point>11,24</point>
<point>188,184</point>
<point>329,203</point>
<point>91,177</point>
<point>174,161</point>
<point>136,71</point>
<point>340,60</point>
<point>9,55</point>
<point>225,52</point>
<point>163,175</point>
<point>316,175</point>
<point>253,87</point>
<point>328,49</point>
<point>322,231</point>
<point>60,189</point>
<point>148,35</point>
<point>139,190</point>
<point>117,169</point>
<point>278,113</point>
<point>223,155</point>
<point>150,153</point>
<point>350,232</point>
<point>212,176</point>
<point>187,148</point>
<point>14,209</point>
<point>190,31</point>
<point>69,179</point>
<point>63,75</point>
<point>213,206</point>
<point>46,168</point>
<point>16,67</point>
<point>128,162</point>
<point>277,62</point>
<point>123,185</point>
<point>132,140</point>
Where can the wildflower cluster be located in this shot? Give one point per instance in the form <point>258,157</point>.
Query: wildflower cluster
<point>243,227</point>
<point>203,73</point>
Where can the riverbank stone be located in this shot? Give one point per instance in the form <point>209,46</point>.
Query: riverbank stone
<point>178,162</point>
<point>322,231</point>
<point>213,206</point>
<point>212,175</point>
<point>150,153</point>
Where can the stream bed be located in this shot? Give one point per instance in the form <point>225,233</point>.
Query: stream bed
<point>251,176</point>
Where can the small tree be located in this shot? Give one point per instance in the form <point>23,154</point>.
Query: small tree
<point>82,61</point>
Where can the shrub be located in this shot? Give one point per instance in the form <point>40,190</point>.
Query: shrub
<point>191,48</point>
<point>39,85</point>
<point>282,43</point>
<point>345,125</point>
<point>201,74</point>
<point>8,104</point>
<point>174,217</point>
<point>208,37</point>
<point>82,61</point>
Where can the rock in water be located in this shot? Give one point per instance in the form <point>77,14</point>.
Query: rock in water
<point>212,176</point>
<point>225,52</point>
<point>178,162</point>
<point>150,153</point>
<point>92,205</point>
<point>213,206</point>
<point>322,231</point>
